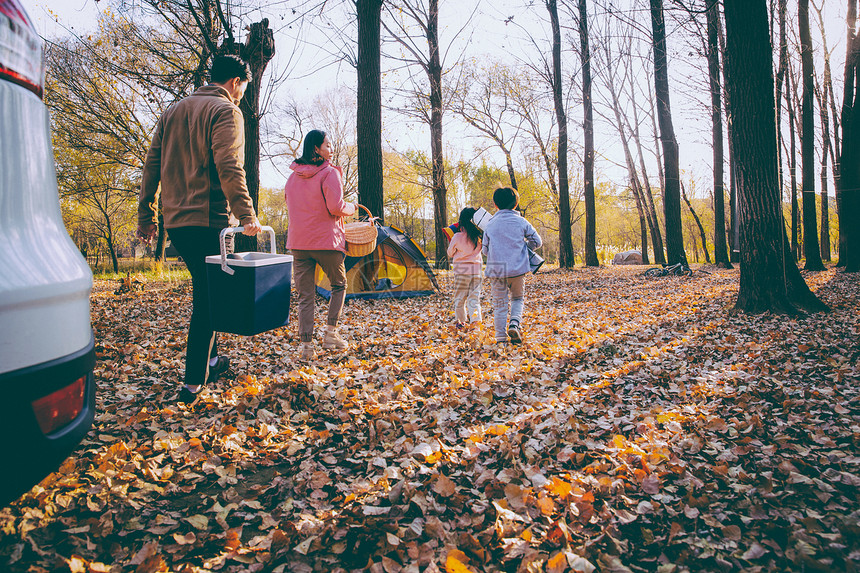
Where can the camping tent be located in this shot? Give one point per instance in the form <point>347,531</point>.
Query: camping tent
<point>633,257</point>
<point>397,268</point>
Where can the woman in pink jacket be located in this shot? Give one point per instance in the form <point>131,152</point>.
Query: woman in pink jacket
<point>314,194</point>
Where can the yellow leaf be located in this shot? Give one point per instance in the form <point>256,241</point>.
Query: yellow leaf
<point>77,565</point>
<point>546,505</point>
<point>498,430</point>
<point>559,487</point>
<point>453,563</point>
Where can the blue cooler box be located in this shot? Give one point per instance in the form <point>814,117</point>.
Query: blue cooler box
<point>249,293</point>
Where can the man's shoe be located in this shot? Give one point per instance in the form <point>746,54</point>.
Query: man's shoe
<point>332,340</point>
<point>188,397</point>
<point>222,364</point>
<point>514,333</point>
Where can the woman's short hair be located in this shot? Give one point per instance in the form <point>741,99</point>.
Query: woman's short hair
<point>227,67</point>
<point>313,139</point>
<point>505,198</point>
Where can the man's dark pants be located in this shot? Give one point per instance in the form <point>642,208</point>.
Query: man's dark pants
<point>194,244</point>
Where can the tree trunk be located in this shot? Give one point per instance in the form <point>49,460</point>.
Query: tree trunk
<point>440,193</point>
<point>509,161</point>
<point>792,170</point>
<point>826,152</point>
<point>650,210</point>
<point>643,220</point>
<point>849,171</point>
<point>635,187</point>
<point>827,107</point>
<point>698,224</point>
<point>672,190</point>
<point>258,50</point>
<point>811,247</point>
<point>780,79</point>
<point>369,112</point>
<point>107,234</point>
<point>734,231</point>
<point>588,151</point>
<point>769,279</point>
<point>565,246</point>
<point>721,253</point>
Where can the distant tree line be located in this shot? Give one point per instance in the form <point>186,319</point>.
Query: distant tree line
<point>107,89</point>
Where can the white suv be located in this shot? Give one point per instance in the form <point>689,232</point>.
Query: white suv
<point>46,341</point>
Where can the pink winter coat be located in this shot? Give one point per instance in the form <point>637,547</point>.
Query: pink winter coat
<point>314,195</point>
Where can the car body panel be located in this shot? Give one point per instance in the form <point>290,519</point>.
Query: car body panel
<point>47,349</point>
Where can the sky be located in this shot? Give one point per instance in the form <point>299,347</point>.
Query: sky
<point>506,29</point>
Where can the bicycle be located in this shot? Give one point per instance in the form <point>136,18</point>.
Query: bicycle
<point>678,270</point>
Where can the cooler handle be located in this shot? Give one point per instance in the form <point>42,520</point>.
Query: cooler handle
<point>229,231</point>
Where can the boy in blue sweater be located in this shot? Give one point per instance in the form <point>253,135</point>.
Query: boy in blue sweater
<point>506,238</point>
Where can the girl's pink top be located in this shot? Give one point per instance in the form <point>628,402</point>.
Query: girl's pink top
<point>465,256</point>
<point>314,195</point>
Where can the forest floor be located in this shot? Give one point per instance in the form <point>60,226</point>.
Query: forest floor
<point>642,426</point>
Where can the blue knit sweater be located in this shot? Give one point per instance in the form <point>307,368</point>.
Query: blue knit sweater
<point>506,239</point>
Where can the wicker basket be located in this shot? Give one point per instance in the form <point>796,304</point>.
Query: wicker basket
<point>360,235</point>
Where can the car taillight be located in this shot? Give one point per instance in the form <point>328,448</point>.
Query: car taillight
<point>59,408</point>
<point>22,59</point>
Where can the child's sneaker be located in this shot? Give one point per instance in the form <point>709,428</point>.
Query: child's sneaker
<point>514,332</point>
<point>332,340</point>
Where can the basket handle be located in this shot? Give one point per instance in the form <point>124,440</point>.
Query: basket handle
<point>370,216</point>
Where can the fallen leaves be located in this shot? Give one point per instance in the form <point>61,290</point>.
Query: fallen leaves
<point>640,427</point>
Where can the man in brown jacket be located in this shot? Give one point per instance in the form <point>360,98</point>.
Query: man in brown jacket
<point>198,156</point>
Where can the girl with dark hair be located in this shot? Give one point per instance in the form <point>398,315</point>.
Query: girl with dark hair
<point>465,254</point>
<point>314,140</point>
<point>314,195</point>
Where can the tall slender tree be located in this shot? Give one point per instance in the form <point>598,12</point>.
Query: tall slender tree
<point>781,8</point>
<point>564,225</point>
<point>811,248</point>
<point>369,110</point>
<point>769,278</point>
<point>258,49</point>
<point>651,211</point>
<point>734,230</point>
<point>609,67</point>
<point>826,153</point>
<point>698,221</point>
<point>792,165</point>
<point>672,188</point>
<point>849,170</point>
<point>721,253</point>
<point>414,25</point>
<point>830,143</point>
<point>591,259</point>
